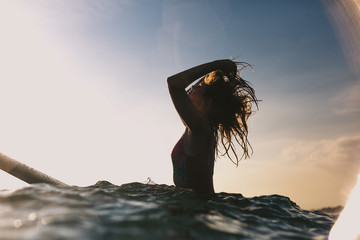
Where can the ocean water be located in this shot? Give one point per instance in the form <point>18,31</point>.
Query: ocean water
<point>150,211</point>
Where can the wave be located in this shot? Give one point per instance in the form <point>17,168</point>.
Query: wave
<point>152,211</point>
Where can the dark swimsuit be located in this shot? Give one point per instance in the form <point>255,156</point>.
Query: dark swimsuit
<point>179,165</point>
<point>189,172</point>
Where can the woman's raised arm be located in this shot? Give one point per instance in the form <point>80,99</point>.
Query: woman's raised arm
<point>177,83</point>
<point>185,78</point>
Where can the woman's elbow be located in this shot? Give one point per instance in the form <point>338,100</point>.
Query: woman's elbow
<point>175,82</point>
<point>172,83</point>
<point>169,80</point>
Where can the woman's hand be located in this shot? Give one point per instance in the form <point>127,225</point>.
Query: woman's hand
<point>228,67</point>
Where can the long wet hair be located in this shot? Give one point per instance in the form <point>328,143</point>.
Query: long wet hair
<point>232,100</point>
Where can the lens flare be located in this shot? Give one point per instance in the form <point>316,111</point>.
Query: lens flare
<point>345,16</point>
<point>348,224</point>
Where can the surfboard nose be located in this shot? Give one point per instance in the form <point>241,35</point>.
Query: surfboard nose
<point>26,173</point>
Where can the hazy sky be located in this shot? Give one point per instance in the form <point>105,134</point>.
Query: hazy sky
<point>83,94</point>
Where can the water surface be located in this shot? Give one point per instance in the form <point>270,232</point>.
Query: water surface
<point>150,211</point>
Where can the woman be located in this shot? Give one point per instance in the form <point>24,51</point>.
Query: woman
<point>214,110</point>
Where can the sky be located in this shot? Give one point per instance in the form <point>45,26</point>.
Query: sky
<point>83,93</point>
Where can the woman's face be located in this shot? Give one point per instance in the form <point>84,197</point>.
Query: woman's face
<point>197,96</point>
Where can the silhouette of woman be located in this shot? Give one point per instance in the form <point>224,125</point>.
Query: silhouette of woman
<point>214,110</point>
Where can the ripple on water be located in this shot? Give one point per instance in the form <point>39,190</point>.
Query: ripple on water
<point>150,211</point>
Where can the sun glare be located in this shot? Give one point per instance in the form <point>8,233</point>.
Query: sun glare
<point>348,225</point>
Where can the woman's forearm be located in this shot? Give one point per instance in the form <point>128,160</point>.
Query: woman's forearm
<point>185,78</point>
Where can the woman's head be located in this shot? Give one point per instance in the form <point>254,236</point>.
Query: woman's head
<point>231,99</point>
<point>197,96</point>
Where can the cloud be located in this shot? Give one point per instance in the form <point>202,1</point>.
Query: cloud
<point>332,155</point>
<point>348,100</point>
